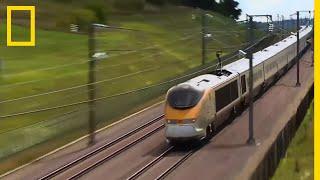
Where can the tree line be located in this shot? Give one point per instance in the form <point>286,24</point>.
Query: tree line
<point>227,8</point>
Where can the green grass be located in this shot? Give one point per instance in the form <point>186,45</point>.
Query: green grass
<point>59,61</point>
<point>298,163</point>
<point>25,70</point>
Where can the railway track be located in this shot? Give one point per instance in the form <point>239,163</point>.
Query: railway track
<point>175,165</point>
<point>167,166</point>
<point>101,149</point>
<point>150,164</point>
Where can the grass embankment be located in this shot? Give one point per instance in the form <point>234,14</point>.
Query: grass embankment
<point>298,163</point>
<point>59,61</point>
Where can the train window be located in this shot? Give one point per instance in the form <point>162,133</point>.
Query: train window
<point>257,75</point>
<point>226,95</point>
<point>222,98</point>
<point>184,97</point>
<point>234,91</point>
<point>243,84</point>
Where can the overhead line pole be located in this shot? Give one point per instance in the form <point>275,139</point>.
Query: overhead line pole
<point>204,38</point>
<point>282,26</point>
<point>298,45</point>
<point>298,49</point>
<point>251,140</point>
<point>278,24</point>
<point>122,93</point>
<point>312,39</point>
<point>91,84</point>
<point>92,75</point>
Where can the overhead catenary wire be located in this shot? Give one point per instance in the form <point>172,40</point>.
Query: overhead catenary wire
<point>44,93</point>
<point>228,31</point>
<point>183,61</point>
<point>75,87</point>
<point>229,47</point>
<point>180,61</point>
<point>150,71</point>
<point>60,77</point>
<point>160,67</point>
<point>59,116</point>
<point>146,58</point>
<point>113,56</point>
<point>37,95</point>
<point>123,93</point>
<point>111,96</point>
<point>66,75</point>
<point>186,37</point>
<point>126,52</point>
<point>102,28</point>
<point>80,86</point>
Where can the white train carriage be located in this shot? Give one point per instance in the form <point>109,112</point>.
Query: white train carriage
<point>193,109</point>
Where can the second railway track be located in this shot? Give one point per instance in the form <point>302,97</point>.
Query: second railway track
<point>161,166</point>
<point>85,167</point>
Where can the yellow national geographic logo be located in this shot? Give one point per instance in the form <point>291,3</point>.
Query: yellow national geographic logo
<point>32,11</point>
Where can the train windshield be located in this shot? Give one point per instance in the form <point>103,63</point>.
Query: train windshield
<point>184,97</point>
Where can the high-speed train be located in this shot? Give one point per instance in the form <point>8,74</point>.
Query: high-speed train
<point>193,109</point>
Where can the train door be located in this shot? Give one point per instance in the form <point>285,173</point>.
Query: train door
<point>211,113</point>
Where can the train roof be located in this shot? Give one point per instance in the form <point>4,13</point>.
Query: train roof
<point>232,70</point>
<point>242,65</point>
<point>211,80</point>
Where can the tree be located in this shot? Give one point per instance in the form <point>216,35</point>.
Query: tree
<point>202,4</point>
<point>100,11</point>
<point>229,8</point>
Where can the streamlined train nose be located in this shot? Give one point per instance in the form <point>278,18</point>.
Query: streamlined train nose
<point>184,131</point>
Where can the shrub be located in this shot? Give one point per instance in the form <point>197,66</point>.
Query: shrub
<point>83,17</point>
<point>100,11</point>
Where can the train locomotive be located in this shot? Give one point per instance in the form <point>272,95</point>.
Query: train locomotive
<point>194,109</point>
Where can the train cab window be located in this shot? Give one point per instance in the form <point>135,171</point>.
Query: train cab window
<point>226,95</point>
<point>184,97</point>
<point>243,84</point>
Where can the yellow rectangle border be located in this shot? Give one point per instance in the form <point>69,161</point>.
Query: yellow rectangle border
<point>32,10</point>
<point>317,92</point>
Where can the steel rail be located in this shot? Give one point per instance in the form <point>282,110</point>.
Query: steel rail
<point>150,164</point>
<point>99,149</point>
<point>176,165</point>
<point>114,154</point>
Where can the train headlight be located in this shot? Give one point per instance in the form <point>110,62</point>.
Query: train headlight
<point>171,121</point>
<point>189,121</point>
